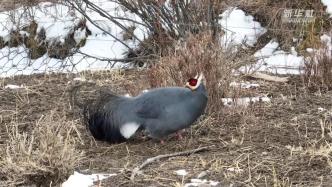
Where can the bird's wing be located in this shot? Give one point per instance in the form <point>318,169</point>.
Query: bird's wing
<point>152,105</point>
<point>149,108</point>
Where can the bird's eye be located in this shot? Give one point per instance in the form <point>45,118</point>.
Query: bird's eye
<point>192,82</point>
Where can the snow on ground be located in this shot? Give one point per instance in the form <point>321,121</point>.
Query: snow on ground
<point>201,182</point>
<point>14,87</point>
<point>79,79</point>
<point>56,19</point>
<point>328,3</point>
<point>59,20</point>
<point>327,41</point>
<point>235,170</point>
<point>325,51</point>
<point>239,28</point>
<point>245,85</point>
<point>181,172</point>
<point>81,180</point>
<point>270,59</point>
<point>244,101</point>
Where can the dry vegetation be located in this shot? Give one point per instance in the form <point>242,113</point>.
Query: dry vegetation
<point>318,70</point>
<point>199,54</point>
<point>287,142</point>
<point>44,155</point>
<point>282,143</point>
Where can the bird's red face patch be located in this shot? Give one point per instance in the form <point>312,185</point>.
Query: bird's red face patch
<point>192,82</point>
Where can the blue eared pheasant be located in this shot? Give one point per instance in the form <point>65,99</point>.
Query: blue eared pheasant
<point>160,112</point>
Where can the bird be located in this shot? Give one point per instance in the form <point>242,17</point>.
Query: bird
<point>159,112</point>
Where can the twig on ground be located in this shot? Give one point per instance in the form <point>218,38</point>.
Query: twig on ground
<point>156,158</point>
<point>259,75</point>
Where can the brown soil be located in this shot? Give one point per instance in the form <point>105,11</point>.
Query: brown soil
<point>256,140</point>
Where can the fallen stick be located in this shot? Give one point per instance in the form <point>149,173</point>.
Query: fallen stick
<point>259,75</point>
<point>156,158</point>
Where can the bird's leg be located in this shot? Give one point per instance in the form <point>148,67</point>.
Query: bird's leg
<point>179,134</point>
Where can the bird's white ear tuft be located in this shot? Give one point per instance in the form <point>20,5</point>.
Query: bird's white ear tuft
<point>201,77</point>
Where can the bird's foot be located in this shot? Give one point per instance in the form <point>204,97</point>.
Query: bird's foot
<point>179,135</point>
<point>162,142</point>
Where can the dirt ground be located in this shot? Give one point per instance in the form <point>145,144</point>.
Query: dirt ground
<point>286,142</point>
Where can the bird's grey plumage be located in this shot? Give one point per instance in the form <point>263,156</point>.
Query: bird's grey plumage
<point>160,112</point>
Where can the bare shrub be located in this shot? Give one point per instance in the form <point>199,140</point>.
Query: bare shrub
<point>174,18</point>
<point>166,22</point>
<point>200,53</point>
<point>45,156</point>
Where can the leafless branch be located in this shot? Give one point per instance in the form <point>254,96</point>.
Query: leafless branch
<point>157,158</point>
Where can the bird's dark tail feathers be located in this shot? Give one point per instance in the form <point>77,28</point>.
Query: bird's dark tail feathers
<point>100,120</point>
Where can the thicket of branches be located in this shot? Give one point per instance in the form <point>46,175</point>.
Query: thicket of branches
<point>165,21</point>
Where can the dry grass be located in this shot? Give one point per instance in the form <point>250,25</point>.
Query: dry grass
<point>255,146</point>
<point>318,69</point>
<point>44,156</point>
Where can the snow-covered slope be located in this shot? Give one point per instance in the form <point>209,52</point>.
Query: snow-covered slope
<point>239,28</point>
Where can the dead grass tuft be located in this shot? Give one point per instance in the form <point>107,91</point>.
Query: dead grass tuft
<point>45,156</point>
<point>318,69</point>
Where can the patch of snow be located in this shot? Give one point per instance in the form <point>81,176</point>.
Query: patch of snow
<point>328,4</point>
<point>13,86</point>
<point>181,172</point>
<point>294,148</point>
<point>244,101</point>
<point>144,91</point>
<point>320,109</point>
<point>239,28</point>
<point>81,180</point>
<point>245,85</point>
<point>81,79</point>
<point>310,50</point>
<point>328,42</point>
<point>79,35</point>
<point>293,51</point>
<point>326,51</point>
<point>236,170</point>
<point>201,182</point>
<point>58,21</point>
<point>270,59</point>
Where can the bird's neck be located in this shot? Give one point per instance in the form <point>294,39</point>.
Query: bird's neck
<point>201,89</point>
